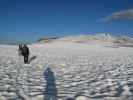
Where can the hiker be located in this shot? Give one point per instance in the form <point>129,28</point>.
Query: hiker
<point>24,51</point>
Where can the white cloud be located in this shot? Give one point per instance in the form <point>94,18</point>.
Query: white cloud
<point>121,15</point>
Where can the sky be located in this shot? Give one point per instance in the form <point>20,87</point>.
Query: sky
<point>28,20</point>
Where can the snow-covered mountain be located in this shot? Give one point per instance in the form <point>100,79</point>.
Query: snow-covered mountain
<point>61,70</point>
<point>103,38</point>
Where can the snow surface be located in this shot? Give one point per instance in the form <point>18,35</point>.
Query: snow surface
<point>62,70</point>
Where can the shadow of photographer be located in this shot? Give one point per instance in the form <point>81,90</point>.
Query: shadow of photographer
<point>50,92</point>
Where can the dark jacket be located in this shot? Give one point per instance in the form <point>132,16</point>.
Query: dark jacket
<point>25,50</point>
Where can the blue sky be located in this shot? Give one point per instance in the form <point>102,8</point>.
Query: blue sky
<point>32,19</point>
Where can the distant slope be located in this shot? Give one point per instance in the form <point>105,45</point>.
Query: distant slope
<point>47,39</point>
<point>103,38</point>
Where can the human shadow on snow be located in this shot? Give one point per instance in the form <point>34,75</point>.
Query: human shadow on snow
<point>50,92</point>
<point>32,58</point>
